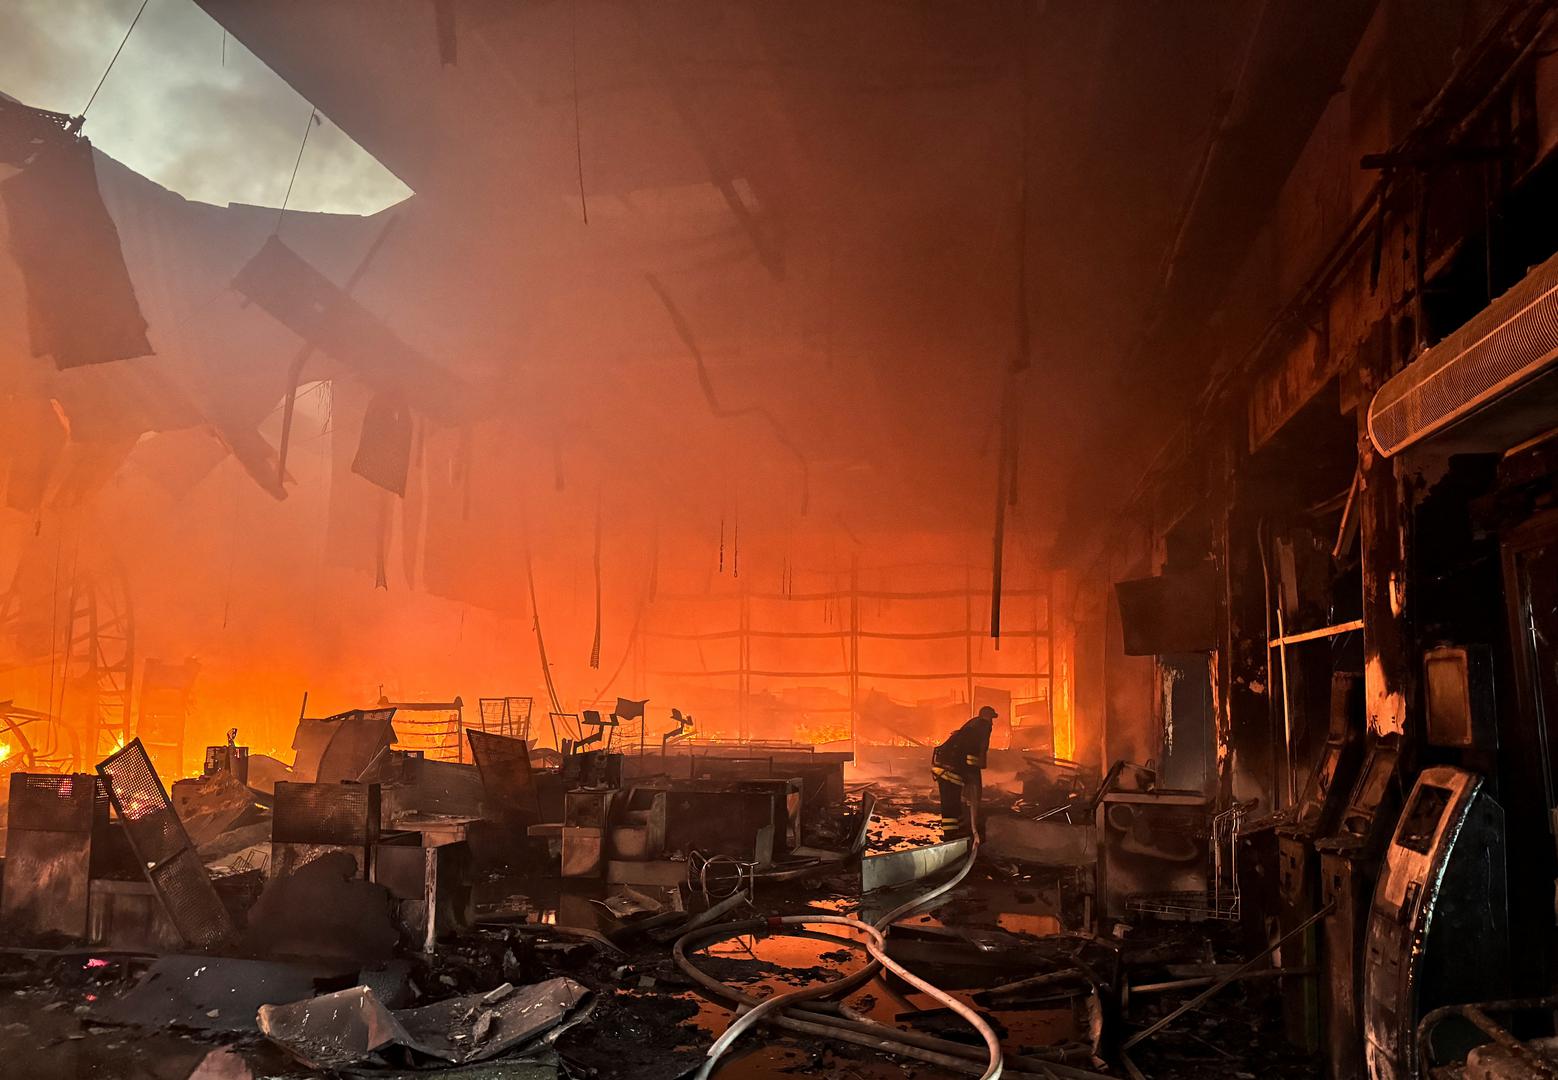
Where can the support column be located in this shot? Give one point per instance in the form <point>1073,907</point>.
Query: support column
<point>1383,523</point>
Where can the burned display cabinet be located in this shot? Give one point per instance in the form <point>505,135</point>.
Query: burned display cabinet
<point>1154,853</point>
<point>1438,925</point>
<point>54,820</point>
<point>1349,863</point>
<point>1298,863</point>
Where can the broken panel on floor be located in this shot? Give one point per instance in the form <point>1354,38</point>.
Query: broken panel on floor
<point>163,848</point>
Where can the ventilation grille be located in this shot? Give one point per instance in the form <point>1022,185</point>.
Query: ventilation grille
<point>504,765</point>
<point>163,848</point>
<point>346,814</point>
<point>191,901</point>
<point>150,822</point>
<point>1512,340</point>
<point>50,802</point>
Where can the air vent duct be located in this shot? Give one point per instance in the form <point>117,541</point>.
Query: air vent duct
<point>1463,391</point>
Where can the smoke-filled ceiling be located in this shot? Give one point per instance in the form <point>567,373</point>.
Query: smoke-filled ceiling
<point>684,291</point>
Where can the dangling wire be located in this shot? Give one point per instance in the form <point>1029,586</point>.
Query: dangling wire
<point>115,60</point>
<point>70,630</point>
<point>595,649</point>
<point>313,120</point>
<point>535,618</point>
<point>578,143</point>
<point>54,616</point>
<point>232,557</point>
<point>722,543</point>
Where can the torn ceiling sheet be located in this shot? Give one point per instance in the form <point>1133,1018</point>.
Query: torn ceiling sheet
<point>320,312</point>
<point>81,304</point>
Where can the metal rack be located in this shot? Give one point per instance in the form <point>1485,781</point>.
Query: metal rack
<point>508,716</point>
<point>434,728</point>
<point>1221,900</point>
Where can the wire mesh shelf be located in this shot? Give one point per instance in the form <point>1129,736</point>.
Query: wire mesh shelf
<point>1220,902</point>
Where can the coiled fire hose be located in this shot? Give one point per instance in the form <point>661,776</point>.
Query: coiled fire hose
<point>955,1056</point>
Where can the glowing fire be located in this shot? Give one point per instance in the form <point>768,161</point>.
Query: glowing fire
<point>5,751</point>
<point>822,732</point>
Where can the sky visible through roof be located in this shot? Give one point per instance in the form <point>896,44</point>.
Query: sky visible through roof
<point>215,128</point>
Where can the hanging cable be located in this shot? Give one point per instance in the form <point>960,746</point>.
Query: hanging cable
<point>535,614</point>
<point>1006,464</point>
<point>54,617</point>
<point>716,407</point>
<point>595,648</point>
<point>313,121</point>
<point>644,600</point>
<point>232,556</point>
<point>578,141</point>
<point>115,60</point>
<point>70,630</point>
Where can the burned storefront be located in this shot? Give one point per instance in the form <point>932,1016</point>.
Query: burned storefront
<point>1347,527</point>
<point>718,538</point>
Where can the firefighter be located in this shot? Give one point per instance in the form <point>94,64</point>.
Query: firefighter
<point>956,765</point>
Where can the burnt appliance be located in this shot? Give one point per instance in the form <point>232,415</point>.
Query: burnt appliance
<point>1298,863</point>
<point>1349,863</point>
<point>1154,850</point>
<point>1438,925</point>
<point>591,769</point>
<point>587,819</point>
<point>229,757</point>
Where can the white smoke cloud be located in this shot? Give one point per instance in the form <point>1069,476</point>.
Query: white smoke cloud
<point>172,110</point>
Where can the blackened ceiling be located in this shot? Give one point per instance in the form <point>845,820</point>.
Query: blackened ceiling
<point>829,195</point>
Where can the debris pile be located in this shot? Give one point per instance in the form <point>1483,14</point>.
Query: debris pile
<point>376,910</point>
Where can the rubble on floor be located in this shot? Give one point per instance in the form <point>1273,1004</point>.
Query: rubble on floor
<point>386,936</point>
<point>353,1027</point>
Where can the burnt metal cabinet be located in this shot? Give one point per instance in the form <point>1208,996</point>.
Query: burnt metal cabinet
<point>1438,924</point>
<point>54,821</point>
<point>1298,863</point>
<point>586,822</point>
<point>1349,867</point>
<point>1153,851</point>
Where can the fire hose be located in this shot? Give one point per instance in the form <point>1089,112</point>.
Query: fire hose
<point>951,1055</point>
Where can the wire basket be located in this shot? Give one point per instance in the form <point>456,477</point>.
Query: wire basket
<point>1221,901</point>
